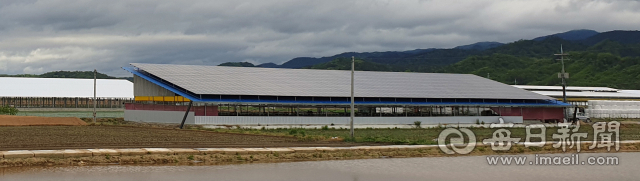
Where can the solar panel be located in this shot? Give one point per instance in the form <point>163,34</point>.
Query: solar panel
<point>224,80</point>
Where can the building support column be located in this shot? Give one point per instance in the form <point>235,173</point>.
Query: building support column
<point>186,114</point>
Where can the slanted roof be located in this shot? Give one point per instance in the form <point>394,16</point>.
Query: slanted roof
<point>64,87</point>
<point>221,80</point>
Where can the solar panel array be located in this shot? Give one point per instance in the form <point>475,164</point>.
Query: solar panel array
<point>221,80</point>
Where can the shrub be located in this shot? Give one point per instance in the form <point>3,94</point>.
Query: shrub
<point>6,110</point>
<point>417,124</point>
<point>190,157</point>
<point>325,127</point>
<point>477,121</point>
<point>293,132</point>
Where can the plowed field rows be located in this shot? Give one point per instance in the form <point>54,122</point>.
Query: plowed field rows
<point>68,137</point>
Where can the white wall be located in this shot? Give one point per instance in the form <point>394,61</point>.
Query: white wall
<point>613,109</point>
<point>158,116</point>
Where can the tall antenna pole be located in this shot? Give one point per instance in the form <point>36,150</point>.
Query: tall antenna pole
<point>353,64</point>
<point>94,95</point>
<point>563,75</point>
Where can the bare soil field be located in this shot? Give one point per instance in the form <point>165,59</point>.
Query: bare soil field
<point>6,120</point>
<point>81,137</point>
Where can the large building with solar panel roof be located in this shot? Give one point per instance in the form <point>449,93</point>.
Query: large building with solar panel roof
<point>273,96</point>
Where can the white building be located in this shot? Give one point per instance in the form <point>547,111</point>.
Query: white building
<point>25,93</point>
<point>597,102</point>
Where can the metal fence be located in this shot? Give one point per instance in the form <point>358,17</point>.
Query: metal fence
<point>63,102</point>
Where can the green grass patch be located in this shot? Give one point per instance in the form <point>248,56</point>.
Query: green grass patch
<point>427,136</point>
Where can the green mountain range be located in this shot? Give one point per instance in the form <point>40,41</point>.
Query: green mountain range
<point>608,59</point>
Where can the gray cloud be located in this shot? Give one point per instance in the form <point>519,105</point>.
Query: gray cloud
<point>41,36</point>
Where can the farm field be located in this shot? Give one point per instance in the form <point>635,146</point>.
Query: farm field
<point>76,137</point>
<point>117,133</point>
<point>78,114</point>
<point>8,120</point>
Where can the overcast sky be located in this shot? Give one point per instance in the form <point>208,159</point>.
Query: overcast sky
<point>48,35</point>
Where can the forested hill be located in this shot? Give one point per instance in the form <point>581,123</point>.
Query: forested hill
<point>584,68</point>
<point>345,64</point>
<point>622,43</point>
<point>607,63</point>
<point>69,74</point>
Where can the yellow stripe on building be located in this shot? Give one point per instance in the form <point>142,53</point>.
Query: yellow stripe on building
<point>162,98</point>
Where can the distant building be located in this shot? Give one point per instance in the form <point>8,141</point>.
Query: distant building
<point>596,102</point>
<point>613,109</point>
<point>63,93</point>
<point>272,96</point>
<point>580,95</point>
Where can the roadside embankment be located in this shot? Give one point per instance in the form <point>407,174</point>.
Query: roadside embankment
<point>248,155</point>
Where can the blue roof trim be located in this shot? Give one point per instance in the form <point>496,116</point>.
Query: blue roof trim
<point>546,103</point>
<point>152,80</point>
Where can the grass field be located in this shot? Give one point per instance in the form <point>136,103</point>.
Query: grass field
<point>417,136</point>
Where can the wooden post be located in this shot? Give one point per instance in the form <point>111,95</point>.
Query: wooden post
<point>94,95</point>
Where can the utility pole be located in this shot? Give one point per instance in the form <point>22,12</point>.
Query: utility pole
<point>94,95</point>
<point>563,75</point>
<point>353,65</point>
